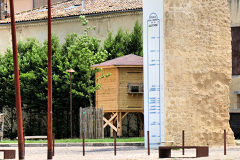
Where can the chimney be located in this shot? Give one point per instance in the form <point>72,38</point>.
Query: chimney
<point>1,9</point>
<point>83,9</point>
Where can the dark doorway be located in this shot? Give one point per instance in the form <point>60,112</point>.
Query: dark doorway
<point>235,124</point>
<point>236,50</point>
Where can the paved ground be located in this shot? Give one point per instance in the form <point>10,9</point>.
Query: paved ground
<point>123,153</point>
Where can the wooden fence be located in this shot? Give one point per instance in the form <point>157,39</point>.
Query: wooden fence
<point>91,122</point>
<point>1,125</point>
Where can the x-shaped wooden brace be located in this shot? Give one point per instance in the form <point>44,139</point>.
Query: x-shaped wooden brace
<point>108,122</point>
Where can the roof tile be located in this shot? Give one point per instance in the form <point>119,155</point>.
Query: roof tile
<point>74,7</point>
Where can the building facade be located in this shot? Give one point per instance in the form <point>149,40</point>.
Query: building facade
<point>235,85</point>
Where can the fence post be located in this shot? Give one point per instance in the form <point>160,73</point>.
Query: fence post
<point>115,143</point>
<point>102,115</point>
<point>148,142</point>
<point>80,122</point>
<point>183,136</point>
<point>83,137</point>
<point>225,142</point>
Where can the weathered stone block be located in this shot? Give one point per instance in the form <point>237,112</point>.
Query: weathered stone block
<point>197,71</point>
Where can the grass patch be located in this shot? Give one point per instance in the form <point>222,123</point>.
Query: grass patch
<point>134,139</point>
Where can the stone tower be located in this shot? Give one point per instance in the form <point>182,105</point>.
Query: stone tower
<point>198,69</point>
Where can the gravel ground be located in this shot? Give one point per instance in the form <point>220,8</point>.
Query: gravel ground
<point>123,153</point>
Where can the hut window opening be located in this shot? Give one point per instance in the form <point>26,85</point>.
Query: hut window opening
<point>135,88</point>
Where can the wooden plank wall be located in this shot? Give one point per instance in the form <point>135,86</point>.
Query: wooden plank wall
<point>106,96</point>
<point>128,101</point>
<point>91,122</point>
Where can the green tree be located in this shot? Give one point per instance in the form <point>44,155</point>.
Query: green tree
<point>124,43</point>
<point>7,94</point>
<point>33,83</point>
<point>135,46</point>
<point>78,52</point>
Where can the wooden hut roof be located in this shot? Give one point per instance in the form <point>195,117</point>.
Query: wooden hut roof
<point>128,60</point>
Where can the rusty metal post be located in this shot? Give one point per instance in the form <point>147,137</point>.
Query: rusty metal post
<point>115,143</point>
<point>183,141</point>
<point>148,142</point>
<point>71,71</point>
<point>71,103</point>
<point>225,142</point>
<point>17,85</point>
<point>50,142</point>
<point>83,138</point>
<point>53,144</point>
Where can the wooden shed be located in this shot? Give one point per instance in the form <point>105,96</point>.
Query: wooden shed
<point>122,91</point>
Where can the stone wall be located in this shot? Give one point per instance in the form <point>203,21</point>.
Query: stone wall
<point>197,71</point>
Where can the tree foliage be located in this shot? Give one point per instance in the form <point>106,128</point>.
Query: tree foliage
<point>78,52</point>
<point>124,43</point>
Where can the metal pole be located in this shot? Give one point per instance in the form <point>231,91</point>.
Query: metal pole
<point>225,142</point>
<point>17,85</point>
<point>53,144</point>
<point>183,136</point>
<point>83,137</point>
<point>50,142</point>
<point>115,143</point>
<point>71,103</point>
<point>148,142</point>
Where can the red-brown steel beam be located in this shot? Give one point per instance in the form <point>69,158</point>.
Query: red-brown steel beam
<point>225,142</point>
<point>148,142</point>
<point>183,142</point>
<point>50,142</point>
<point>17,85</point>
<point>83,141</point>
<point>71,71</point>
<point>71,103</point>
